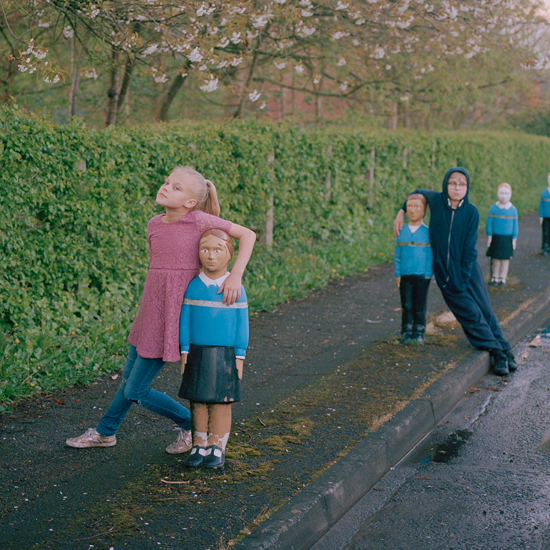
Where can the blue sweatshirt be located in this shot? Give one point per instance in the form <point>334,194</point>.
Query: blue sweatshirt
<point>502,221</point>
<point>544,205</point>
<point>453,236</point>
<point>206,321</point>
<point>413,253</point>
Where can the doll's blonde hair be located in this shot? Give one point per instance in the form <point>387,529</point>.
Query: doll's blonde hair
<point>206,194</point>
<point>505,185</point>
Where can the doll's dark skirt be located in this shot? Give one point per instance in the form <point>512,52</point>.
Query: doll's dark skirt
<point>414,299</point>
<point>501,247</point>
<point>211,375</point>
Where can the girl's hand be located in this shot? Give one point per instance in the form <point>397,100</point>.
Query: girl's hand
<point>240,365</point>
<point>514,242</point>
<point>398,279</point>
<point>398,223</point>
<point>183,361</point>
<point>489,239</point>
<point>231,289</point>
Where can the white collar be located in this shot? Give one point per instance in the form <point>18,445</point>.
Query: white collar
<point>212,282</point>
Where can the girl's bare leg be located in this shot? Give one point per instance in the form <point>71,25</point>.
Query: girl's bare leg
<point>199,423</point>
<point>219,424</point>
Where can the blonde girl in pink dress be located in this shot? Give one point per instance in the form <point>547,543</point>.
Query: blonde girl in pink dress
<point>192,207</point>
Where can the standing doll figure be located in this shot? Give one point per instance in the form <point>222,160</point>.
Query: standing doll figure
<point>191,207</point>
<point>413,269</point>
<point>544,217</point>
<point>213,340</point>
<point>502,231</point>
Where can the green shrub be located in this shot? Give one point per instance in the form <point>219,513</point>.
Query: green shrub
<point>75,203</point>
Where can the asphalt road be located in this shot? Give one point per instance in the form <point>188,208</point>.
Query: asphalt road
<point>480,480</point>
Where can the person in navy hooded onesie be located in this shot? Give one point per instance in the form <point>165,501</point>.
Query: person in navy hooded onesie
<point>454,225</point>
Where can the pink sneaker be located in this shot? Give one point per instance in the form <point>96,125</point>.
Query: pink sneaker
<point>90,438</point>
<point>183,443</point>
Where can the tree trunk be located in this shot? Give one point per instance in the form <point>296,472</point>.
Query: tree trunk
<point>112,92</point>
<point>73,92</point>
<point>130,64</point>
<point>175,87</point>
<point>240,109</point>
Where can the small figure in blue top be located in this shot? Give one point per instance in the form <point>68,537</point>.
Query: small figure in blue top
<point>544,216</point>
<point>213,340</point>
<point>502,231</point>
<point>413,261</point>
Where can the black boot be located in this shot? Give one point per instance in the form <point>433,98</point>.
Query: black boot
<point>512,365</point>
<point>406,333</point>
<point>500,362</point>
<point>418,334</point>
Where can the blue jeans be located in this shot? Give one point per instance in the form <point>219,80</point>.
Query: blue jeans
<point>137,374</point>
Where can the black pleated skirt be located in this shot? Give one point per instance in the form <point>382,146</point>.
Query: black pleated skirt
<point>211,375</point>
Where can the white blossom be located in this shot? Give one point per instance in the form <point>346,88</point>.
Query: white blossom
<point>224,42</point>
<point>280,65</point>
<point>316,79</point>
<point>151,49</point>
<point>263,105</point>
<point>52,79</point>
<point>236,62</point>
<point>90,73</point>
<point>307,13</point>
<point>236,38</point>
<point>44,24</point>
<point>341,62</point>
<point>254,96</point>
<point>344,86</point>
<point>68,32</point>
<point>299,68</point>
<point>260,21</point>
<point>405,97</point>
<point>195,56</point>
<point>223,64</point>
<point>203,67</point>
<point>160,79</point>
<point>211,85</point>
<point>379,53</point>
<point>341,5</point>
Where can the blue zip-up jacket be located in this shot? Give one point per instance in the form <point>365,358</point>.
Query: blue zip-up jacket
<point>453,236</point>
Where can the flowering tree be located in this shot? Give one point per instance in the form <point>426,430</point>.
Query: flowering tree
<point>391,51</point>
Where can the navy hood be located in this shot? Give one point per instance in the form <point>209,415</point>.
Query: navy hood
<point>446,179</point>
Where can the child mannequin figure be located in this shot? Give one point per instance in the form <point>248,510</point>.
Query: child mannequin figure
<point>213,339</point>
<point>502,231</point>
<point>544,217</point>
<point>413,262</point>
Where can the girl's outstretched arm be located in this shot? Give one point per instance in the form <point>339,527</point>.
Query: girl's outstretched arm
<point>231,287</point>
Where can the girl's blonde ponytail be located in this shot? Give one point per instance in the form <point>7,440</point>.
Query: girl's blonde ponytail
<point>211,204</point>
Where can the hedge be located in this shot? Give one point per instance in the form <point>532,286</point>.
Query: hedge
<point>74,206</point>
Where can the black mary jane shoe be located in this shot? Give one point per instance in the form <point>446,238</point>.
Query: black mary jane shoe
<point>196,456</point>
<point>512,365</point>
<point>214,459</point>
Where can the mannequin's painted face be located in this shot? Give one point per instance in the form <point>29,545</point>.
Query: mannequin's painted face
<point>213,254</point>
<point>504,194</point>
<point>415,210</point>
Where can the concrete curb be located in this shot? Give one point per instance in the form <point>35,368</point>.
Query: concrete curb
<point>303,520</point>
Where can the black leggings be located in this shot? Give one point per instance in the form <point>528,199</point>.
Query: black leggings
<point>414,300</point>
<point>546,234</point>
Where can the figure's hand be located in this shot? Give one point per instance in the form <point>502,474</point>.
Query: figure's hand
<point>489,239</point>
<point>240,366</point>
<point>398,223</point>
<point>183,361</point>
<point>514,242</point>
<point>540,221</point>
<point>398,279</point>
<point>231,289</point>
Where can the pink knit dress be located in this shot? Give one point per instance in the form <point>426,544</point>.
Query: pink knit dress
<point>174,261</point>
